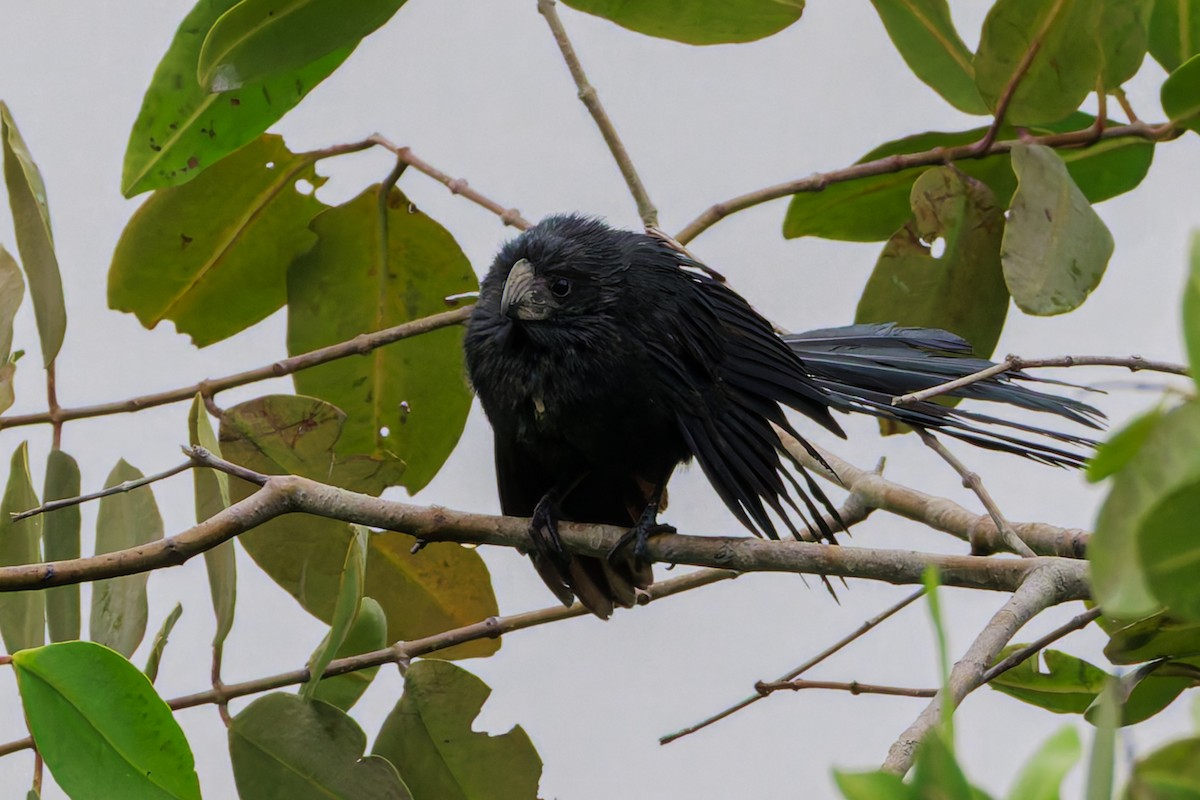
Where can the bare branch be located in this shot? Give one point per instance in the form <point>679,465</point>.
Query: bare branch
<point>125,486</point>
<point>359,345</point>
<point>853,687</point>
<point>972,481</point>
<point>591,99</point>
<point>1014,363</point>
<point>933,157</point>
<point>1041,589</point>
<point>807,665</point>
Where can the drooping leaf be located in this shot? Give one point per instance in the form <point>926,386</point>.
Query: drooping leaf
<point>183,130</point>
<point>1168,460</point>
<point>119,605</point>
<point>873,208</point>
<point>1171,772</point>
<point>1180,95</point>
<point>160,642</point>
<point>287,747</point>
<point>936,773</point>
<point>1169,547</point>
<point>698,21</point>
<point>925,36</point>
<point>1119,448</point>
<point>259,39</point>
<point>1122,38</point>
<point>345,608</point>
<point>35,241</point>
<point>1063,70</point>
<point>1174,32</point>
<point>12,292</point>
<point>22,614</point>
<point>60,542</point>
<point>212,496</point>
<point>962,290</point>
<point>368,633</point>
<point>1042,776</point>
<point>443,586</point>
<point>1067,686</point>
<point>1055,247</point>
<point>428,737</point>
<point>100,727</point>
<point>1153,637</point>
<point>406,400</point>
<point>212,255</point>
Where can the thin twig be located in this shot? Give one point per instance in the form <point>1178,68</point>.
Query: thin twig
<point>1123,101</point>
<point>53,407</point>
<point>360,345</point>
<point>591,99</point>
<point>807,665</point>
<point>972,481</point>
<point>1015,363</point>
<point>935,156</point>
<point>120,488</point>
<point>853,687</point>
<point>1037,645</point>
<point>1040,590</point>
<point>203,457</point>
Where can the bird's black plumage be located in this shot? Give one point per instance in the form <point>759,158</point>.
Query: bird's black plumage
<point>605,358</point>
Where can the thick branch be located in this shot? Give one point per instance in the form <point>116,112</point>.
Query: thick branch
<point>927,158</point>
<point>359,345</point>
<point>1041,589</point>
<point>591,99</point>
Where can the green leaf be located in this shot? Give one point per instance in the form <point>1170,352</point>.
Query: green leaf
<point>1055,247</point>
<point>1180,95</point>
<point>182,129</point>
<point>35,241</point>
<point>1150,689</point>
<point>1063,70</point>
<point>925,36</point>
<point>443,586</point>
<point>1068,686</point>
<point>1169,459</point>
<point>160,642</point>
<point>1149,638</point>
<point>1169,548</point>
<point>1112,456</point>
<point>367,634</point>
<point>962,290</point>
<point>212,497</point>
<point>212,255</point>
<point>22,614</point>
<point>12,291</point>
<point>1122,39</point>
<point>259,39</point>
<point>100,727</point>
<point>1043,774</point>
<point>128,519</point>
<point>287,747</point>
<point>698,21</point>
<point>873,786</point>
<point>1174,32</point>
<point>1171,772</point>
<point>345,608</point>
<point>406,400</point>
<point>936,775</point>
<point>1100,762</point>
<point>873,208</point>
<point>60,542</point>
<point>428,736</point>
<point>1191,309</point>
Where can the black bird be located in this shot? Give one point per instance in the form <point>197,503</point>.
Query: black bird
<point>605,358</point>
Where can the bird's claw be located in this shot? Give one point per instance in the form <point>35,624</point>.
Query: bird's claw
<point>647,526</point>
<point>543,531</point>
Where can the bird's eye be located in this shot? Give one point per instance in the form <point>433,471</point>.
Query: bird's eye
<point>561,287</point>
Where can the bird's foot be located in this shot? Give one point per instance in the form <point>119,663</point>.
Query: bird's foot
<point>543,530</point>
<point>647,526</point>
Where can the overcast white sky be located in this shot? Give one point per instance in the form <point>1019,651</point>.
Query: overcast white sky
<point>477,88</point>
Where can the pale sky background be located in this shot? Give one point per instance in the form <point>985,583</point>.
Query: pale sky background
<point>477,88</point>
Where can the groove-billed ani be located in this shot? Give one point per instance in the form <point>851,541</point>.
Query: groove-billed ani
<point>604,359</point>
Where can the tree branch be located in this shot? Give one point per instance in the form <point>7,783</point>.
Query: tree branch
<point>125,486</point>
<point>933,157</point>
<point>1015,363</point>
<point>591,99</point>
<point>1041,589</point>
<point>853,687</point>
<point>359,345</point>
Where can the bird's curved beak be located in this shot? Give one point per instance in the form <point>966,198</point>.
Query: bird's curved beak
<point>523,297</point>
